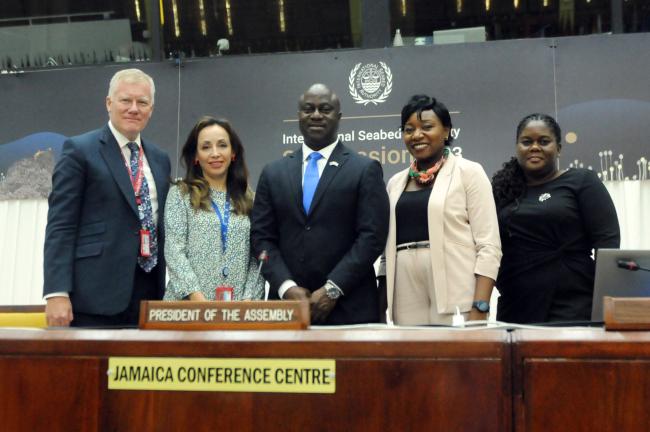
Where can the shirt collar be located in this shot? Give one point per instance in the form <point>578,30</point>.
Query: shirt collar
<point>122,141</point>
<point>325,151</point>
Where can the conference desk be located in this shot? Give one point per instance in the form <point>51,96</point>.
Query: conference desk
<point>581,380</point>
<point>399,380</point>
<point>386,379</point>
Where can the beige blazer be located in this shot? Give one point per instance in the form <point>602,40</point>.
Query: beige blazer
<point>463,232</point>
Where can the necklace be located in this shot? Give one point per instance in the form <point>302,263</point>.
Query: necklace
<point>425,178</point>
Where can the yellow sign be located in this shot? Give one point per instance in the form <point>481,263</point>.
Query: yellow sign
<point>222,374</point>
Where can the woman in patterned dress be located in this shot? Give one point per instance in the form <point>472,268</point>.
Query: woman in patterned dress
<point>207,222</point>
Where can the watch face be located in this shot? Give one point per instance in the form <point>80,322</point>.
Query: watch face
<point>481,306</point>
<point>332,293</point>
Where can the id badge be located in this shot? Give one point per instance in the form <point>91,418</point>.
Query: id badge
<point>145,243</point>
<point>224,293</point>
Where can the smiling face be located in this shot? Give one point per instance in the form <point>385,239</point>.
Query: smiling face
<point>537,151</point>
<point>129,107</point>
<point>318,116</point>
<point>425,138</point>
<point>214,154</point>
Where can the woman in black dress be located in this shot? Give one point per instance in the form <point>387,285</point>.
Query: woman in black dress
<point>550,220</point>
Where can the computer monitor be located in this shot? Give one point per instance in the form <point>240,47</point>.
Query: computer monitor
<point>460,35</point>
<point>614,281</point>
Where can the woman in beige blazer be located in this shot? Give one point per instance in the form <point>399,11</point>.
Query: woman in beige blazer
<point>443,249</point>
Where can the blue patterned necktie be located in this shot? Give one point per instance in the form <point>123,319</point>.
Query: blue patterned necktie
<point>145,211</point>
<point>310,182</point>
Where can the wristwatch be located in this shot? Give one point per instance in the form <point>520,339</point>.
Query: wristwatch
<point>332,291</point>
<point>481,306</point>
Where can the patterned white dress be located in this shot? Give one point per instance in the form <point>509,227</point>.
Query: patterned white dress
<point>195,260</point>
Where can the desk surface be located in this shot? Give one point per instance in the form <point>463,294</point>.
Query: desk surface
<point>358,342</point>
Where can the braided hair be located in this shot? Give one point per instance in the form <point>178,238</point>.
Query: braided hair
<point>509,183</point>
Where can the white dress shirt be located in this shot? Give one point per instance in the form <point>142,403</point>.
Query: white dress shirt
<point>122,141</point>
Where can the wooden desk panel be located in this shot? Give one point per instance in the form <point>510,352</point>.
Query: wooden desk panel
<point>49,394</point>
<point>370,396</point>
<point>385,380</point>
<point>581,380</point>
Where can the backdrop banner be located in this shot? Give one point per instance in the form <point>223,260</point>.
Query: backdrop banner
<point>596,86</point>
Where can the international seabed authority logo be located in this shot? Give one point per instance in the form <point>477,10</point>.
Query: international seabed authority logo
<point>370,83</point>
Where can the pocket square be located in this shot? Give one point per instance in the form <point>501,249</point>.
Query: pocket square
<point>334,163</point>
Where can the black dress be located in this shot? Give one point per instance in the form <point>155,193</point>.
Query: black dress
<point>547,237</point>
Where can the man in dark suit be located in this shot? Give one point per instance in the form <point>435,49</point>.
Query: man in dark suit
<point>321,214</point>
<point>104,237</point>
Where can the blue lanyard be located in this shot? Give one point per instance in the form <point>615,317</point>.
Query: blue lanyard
<point>223,221</point>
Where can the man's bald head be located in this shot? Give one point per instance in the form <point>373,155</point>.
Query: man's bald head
<point>319,112</point>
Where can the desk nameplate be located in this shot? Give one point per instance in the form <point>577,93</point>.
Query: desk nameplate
<point>626,313</point>
<point>222,315</point>
<point>252,375</point>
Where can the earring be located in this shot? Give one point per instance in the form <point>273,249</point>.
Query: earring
<point>196,162</point>
<point>233,158</point>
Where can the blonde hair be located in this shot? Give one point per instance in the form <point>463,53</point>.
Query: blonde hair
<point>131,76</point>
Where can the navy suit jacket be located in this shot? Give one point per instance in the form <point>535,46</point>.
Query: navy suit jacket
<point>341,237</point>
<point>92,237</point>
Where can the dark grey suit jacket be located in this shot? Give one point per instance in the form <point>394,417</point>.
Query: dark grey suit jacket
<point>341,237</point>
<point>92,236</point>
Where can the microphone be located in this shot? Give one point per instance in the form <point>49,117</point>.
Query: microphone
<point>630,265</point>
<point>262,258</point>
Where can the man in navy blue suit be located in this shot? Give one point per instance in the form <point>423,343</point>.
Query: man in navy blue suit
<point>321,214</point>
<point>104,238</point>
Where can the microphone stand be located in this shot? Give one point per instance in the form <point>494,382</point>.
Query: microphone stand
<point>262,258</point>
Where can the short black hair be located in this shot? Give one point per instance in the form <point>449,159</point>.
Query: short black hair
<point>419,103</point>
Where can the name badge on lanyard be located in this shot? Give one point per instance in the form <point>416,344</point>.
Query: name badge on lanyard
<point>223,224</point>
<point>145,243</point>
<point>137,179</point>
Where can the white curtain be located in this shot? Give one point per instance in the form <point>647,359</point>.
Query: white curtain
<point>22,233</point>
<point>632,201</point>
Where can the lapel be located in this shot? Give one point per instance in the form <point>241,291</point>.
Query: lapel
<point>157,168</point>
<point>112,155</point>
<point>435,215</point>
<point>335,163</point>
<point>394,192</point>
<point>294,173</point>
<point>397,189</point>
<point>440,190</point>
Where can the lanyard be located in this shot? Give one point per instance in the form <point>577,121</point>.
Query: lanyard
<point>223,221</point>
